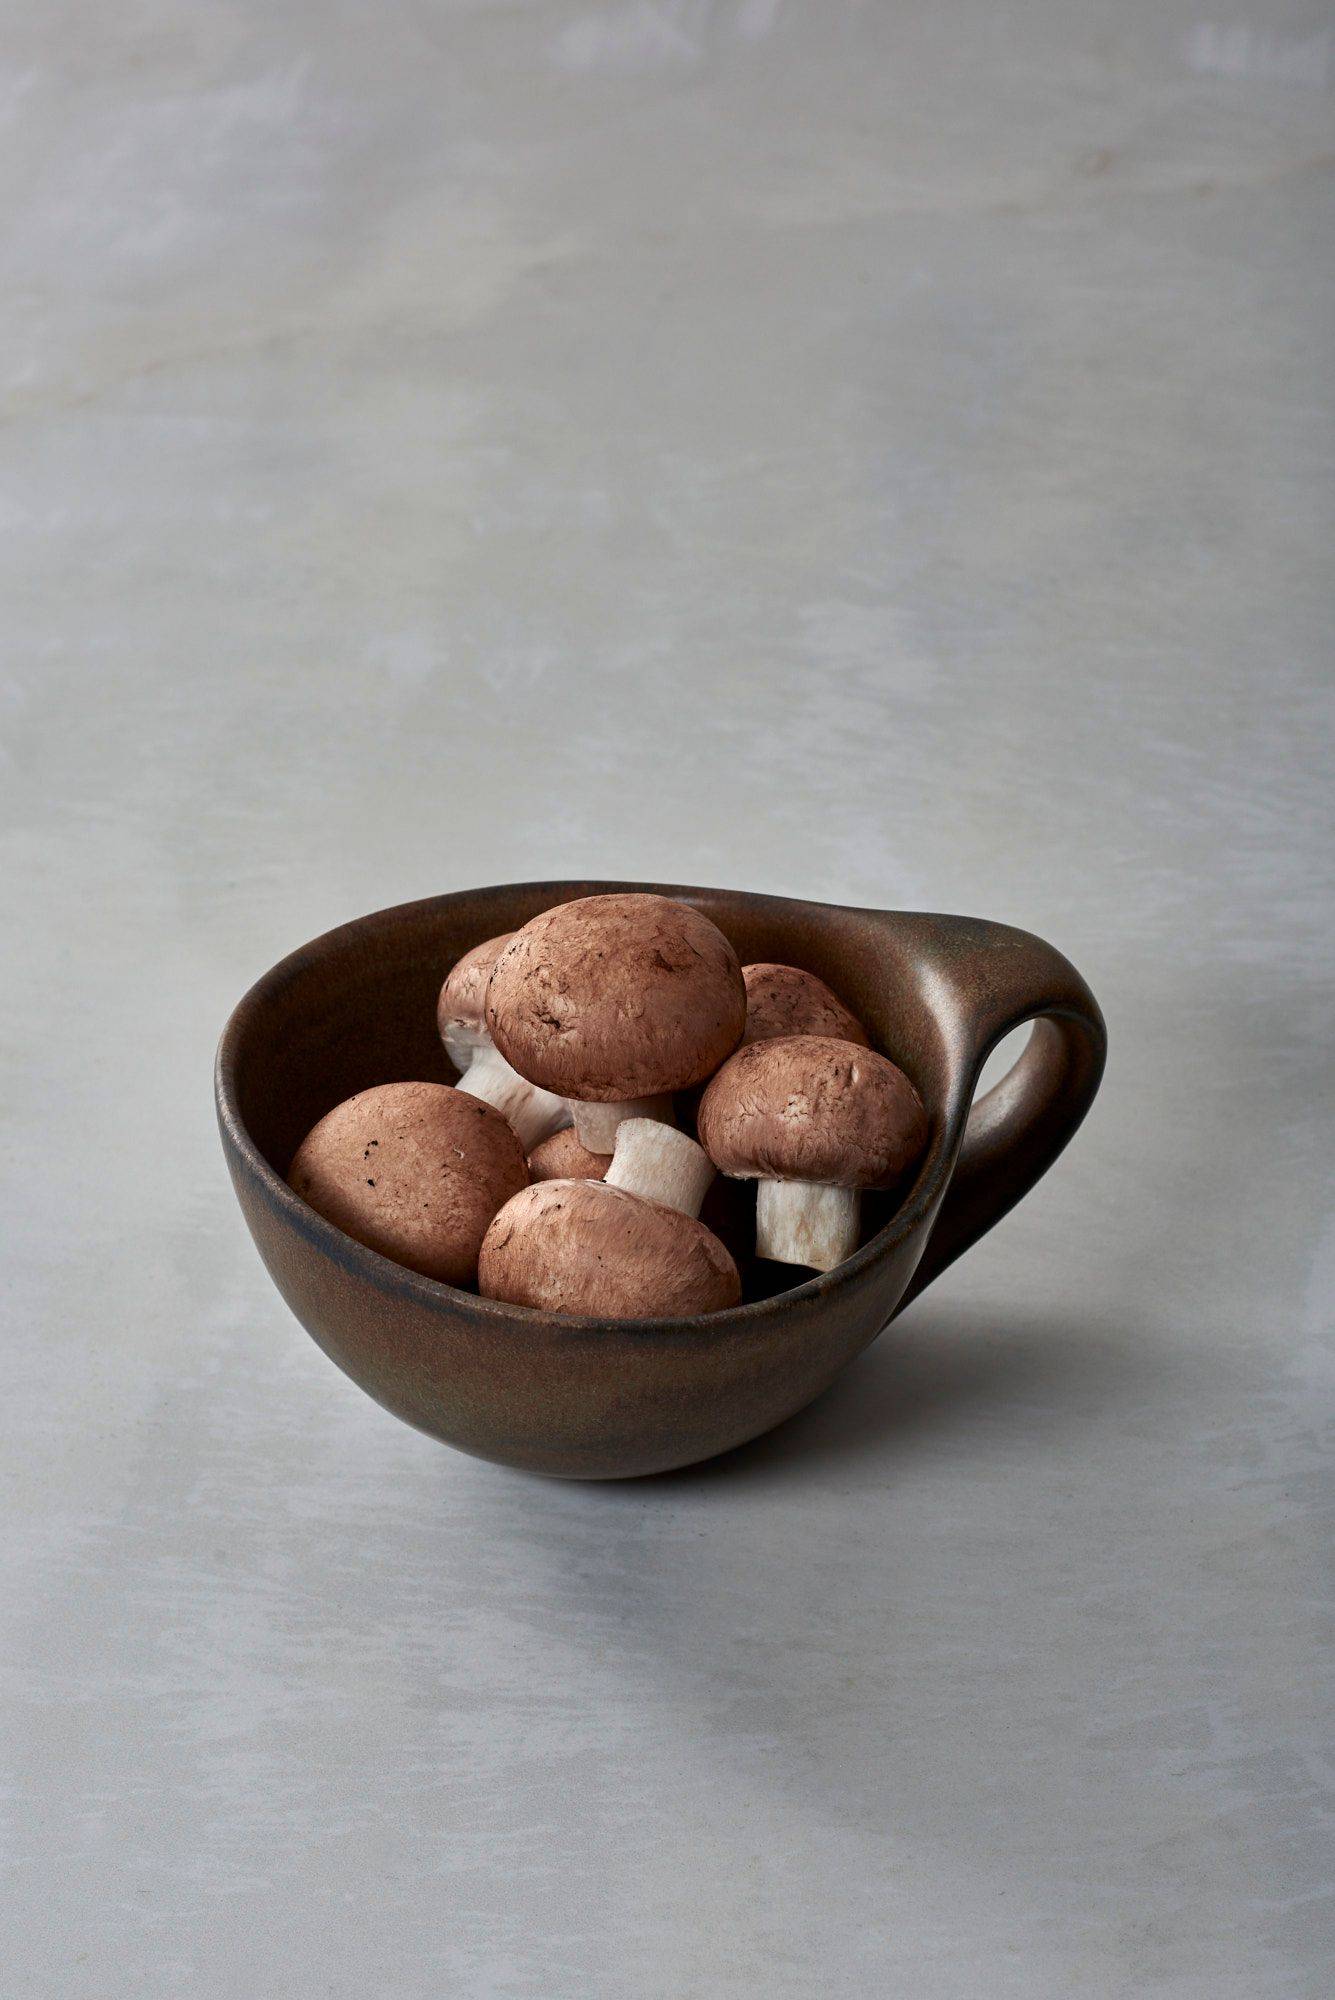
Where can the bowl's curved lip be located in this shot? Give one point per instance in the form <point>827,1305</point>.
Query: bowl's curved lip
<point>397,1279</point>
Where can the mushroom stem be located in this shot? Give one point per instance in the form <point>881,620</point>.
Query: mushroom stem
<point>597,1124</point>
<point>464,1044</point>
<point>661,1164</point>
<point>805,1222</point>
<point>534,1114</point>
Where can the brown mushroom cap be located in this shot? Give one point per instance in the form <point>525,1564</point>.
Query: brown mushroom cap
<point>584,1247</point>
<point>413,1170</point>
<point>617,997</point>
<point>562,1158</point>
<point>812,1108</point>
<point>461,1008</point>
<point>785,1000</point>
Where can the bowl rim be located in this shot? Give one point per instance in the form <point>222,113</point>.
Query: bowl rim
<point>926,1190</point>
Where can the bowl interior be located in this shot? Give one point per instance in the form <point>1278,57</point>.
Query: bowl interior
<point>357,1007</point>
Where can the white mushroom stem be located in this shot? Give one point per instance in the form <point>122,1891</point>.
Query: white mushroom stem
<point>596,1125</point>
<point>661,1164</point>
<point>464,1043</point>
<point>805,1222</point>
<point>533,1113</point>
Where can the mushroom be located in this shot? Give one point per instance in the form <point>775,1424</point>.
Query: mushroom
<point>785,1000</point>
<point>615,1002</point>
<point>483,1071</point>
<point>413,1170</point>
<point>562,1158</point>
<point>584,1247</point>
<point>814,1120</point>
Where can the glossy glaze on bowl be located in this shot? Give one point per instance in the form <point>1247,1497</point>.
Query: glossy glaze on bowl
<point>608,1399</point>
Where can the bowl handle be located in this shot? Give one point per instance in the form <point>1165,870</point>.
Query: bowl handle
<point>1003,978</point>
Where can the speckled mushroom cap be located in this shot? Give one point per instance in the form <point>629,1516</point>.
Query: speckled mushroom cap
<point>784,1000</point>
<point>461,1008</point>
<point>562,1158</point>
<point>812,1108</point>
<point>617,997</point>
<point>413,1170</point>
<point>583,1247</point>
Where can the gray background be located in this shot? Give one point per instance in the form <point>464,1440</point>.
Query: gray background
<point>871,452</point>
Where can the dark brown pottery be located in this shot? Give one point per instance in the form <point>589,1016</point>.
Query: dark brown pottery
<point>597,1399</point>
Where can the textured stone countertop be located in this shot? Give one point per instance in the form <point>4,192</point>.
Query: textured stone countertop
<point>865,451</point>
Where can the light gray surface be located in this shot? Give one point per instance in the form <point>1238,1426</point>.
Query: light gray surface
<point>880,453</point>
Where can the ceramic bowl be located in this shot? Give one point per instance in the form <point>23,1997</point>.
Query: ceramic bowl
<point>606,1399</point>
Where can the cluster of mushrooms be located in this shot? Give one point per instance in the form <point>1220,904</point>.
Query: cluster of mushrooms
<point>554,1174</point>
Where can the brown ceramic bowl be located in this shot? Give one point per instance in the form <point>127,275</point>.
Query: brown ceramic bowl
<point>600,1399</point>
